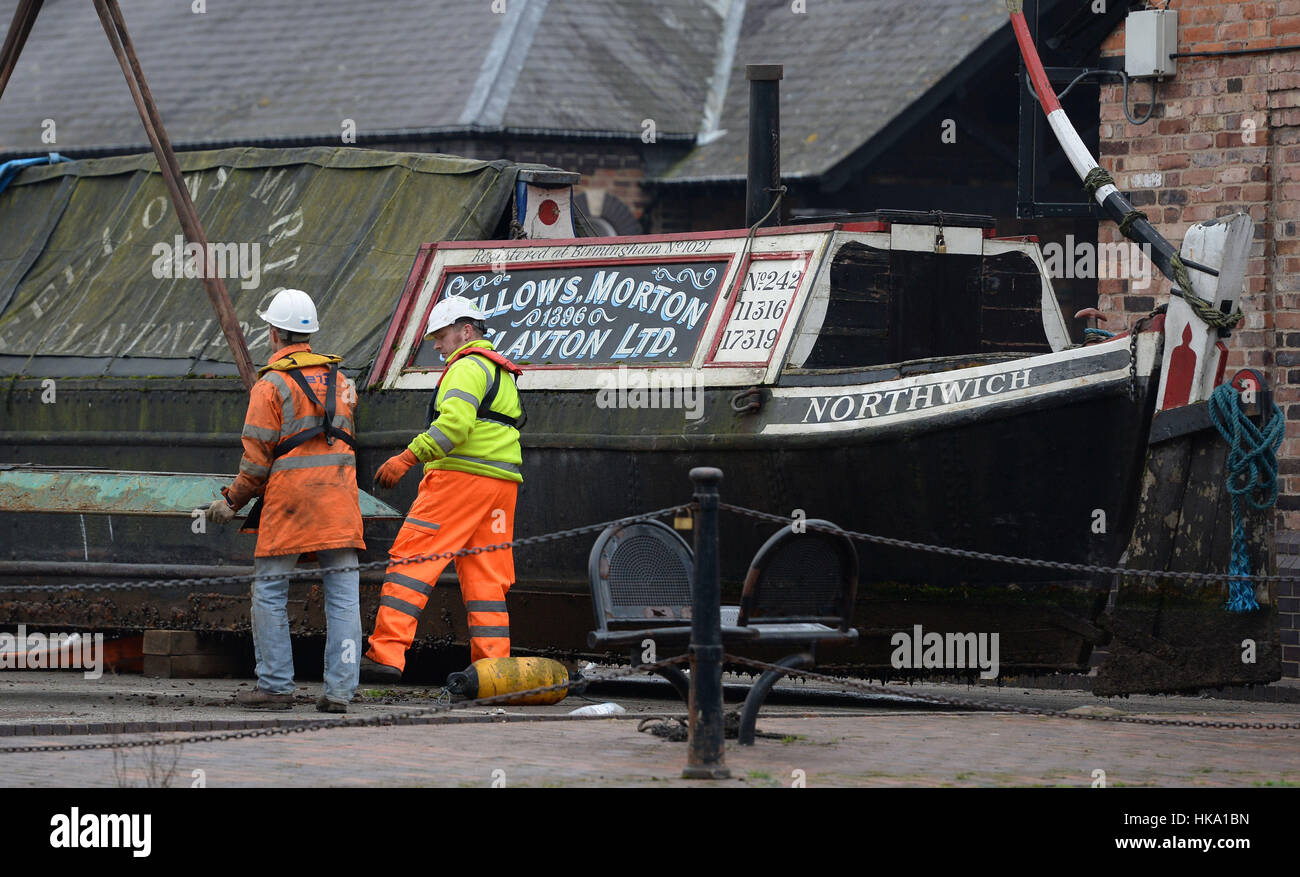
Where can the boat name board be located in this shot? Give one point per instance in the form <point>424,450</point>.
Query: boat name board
<point>650,313</point>
<point>934,394</point>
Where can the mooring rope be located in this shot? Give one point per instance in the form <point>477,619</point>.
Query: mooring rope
<point>1252,466</point>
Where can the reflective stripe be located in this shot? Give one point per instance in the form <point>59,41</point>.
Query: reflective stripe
<point>485,605</point>
<point>476,632</point>
<point>341,421</point>
<point>478,362</point>
<point>261,433</point>
<point>401,606</point>
<point>407,582</point>
<point>288,411</point>
<point>428,526</point>
<point>292,428</point>
<point>253,469</point>
<point>505,467</point>
<point>461,394</point>
<point>441,438</point>
<point>312,461</point>
<point>497,422</point>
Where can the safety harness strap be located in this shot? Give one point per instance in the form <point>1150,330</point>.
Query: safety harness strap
<point>485,411</point>
<point>328,428</point>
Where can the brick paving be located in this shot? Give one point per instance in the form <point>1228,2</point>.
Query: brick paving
<point>834,740</point>
<point>907,749</point>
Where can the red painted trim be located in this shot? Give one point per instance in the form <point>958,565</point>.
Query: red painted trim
<point>414,281</point>
<point>644,239</point>
<point>1223,361</point>
<point>1046,94</point>
<point>1018,239</point>
<point>726,318</point>
<point>593,262</point>
<point>873,225</point>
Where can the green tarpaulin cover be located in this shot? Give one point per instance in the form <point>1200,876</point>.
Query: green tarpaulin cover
<point>92,280</point>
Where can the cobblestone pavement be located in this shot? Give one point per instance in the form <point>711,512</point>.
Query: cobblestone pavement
<point>820,743</point>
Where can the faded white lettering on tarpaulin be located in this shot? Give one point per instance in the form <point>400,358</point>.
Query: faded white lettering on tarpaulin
<point>66,316</point>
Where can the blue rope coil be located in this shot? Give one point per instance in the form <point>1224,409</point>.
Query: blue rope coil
<point>1097,333</point>
<point>1252,469</point>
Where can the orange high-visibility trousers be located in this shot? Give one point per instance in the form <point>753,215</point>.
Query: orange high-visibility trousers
<point>453,510</point>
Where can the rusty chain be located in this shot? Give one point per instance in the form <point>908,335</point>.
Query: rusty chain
<point>964,553</point>
<point>994,706</point>
<point>310,573</point>
<point>753,513</point>
<point>329,724</point>
<point>968,554</point>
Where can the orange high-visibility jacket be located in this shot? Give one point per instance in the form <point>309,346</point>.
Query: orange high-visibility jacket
<point>309,495</point>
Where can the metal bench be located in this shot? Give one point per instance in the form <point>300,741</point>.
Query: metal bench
<point>799,593</point>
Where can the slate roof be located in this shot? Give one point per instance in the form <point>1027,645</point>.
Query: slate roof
<point>271,71</point>
<point>276,69</point>
<point>850,68</point>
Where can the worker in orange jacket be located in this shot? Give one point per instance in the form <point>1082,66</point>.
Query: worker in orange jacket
<point>472,463</point>
<point>299,459</point>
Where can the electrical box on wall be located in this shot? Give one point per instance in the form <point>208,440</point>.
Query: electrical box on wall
<point>1150,37</point>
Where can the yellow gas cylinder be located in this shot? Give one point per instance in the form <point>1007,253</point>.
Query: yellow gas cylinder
<point>488,677</point>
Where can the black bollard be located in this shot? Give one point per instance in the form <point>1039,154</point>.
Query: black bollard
<point>706,759</point>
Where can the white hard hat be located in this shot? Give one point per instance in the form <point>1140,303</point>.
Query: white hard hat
<point>449,310</point>
<point>291,310</point>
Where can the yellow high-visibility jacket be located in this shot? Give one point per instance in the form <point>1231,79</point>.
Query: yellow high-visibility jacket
<point>458,438</point>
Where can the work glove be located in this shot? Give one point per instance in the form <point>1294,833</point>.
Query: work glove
<point>392,471</point>
<point>220,512</point>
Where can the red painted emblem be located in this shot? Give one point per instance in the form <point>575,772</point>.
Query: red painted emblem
<point>1182,366</point>
<point>548,212</point>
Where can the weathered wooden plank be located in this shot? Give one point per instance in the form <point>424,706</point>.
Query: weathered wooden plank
<point>1163,485</point>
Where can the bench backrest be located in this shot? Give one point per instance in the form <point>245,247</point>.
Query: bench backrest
<point>808,576</point>
<point>640,574</point>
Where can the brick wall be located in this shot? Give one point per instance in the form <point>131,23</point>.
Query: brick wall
<point>1224,138</point>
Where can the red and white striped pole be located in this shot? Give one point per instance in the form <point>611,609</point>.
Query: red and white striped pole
<point>1193,356</point>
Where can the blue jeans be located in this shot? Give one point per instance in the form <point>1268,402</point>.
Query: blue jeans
<point>342,623</point>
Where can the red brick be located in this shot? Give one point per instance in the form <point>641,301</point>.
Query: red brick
<point>1237,30</point>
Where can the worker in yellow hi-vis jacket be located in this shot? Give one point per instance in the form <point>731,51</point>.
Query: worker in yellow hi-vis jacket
<point>472,462</point>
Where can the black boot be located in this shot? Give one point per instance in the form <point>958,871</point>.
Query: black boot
<point>373,671</point>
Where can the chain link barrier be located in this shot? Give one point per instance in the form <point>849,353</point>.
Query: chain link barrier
<point>968,554</point>
<point>313,573</point>
<point>395,718</point>
<point>994,706</point>
<point>367,722</point>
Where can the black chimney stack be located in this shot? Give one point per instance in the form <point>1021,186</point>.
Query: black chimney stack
<point>764,142</point>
